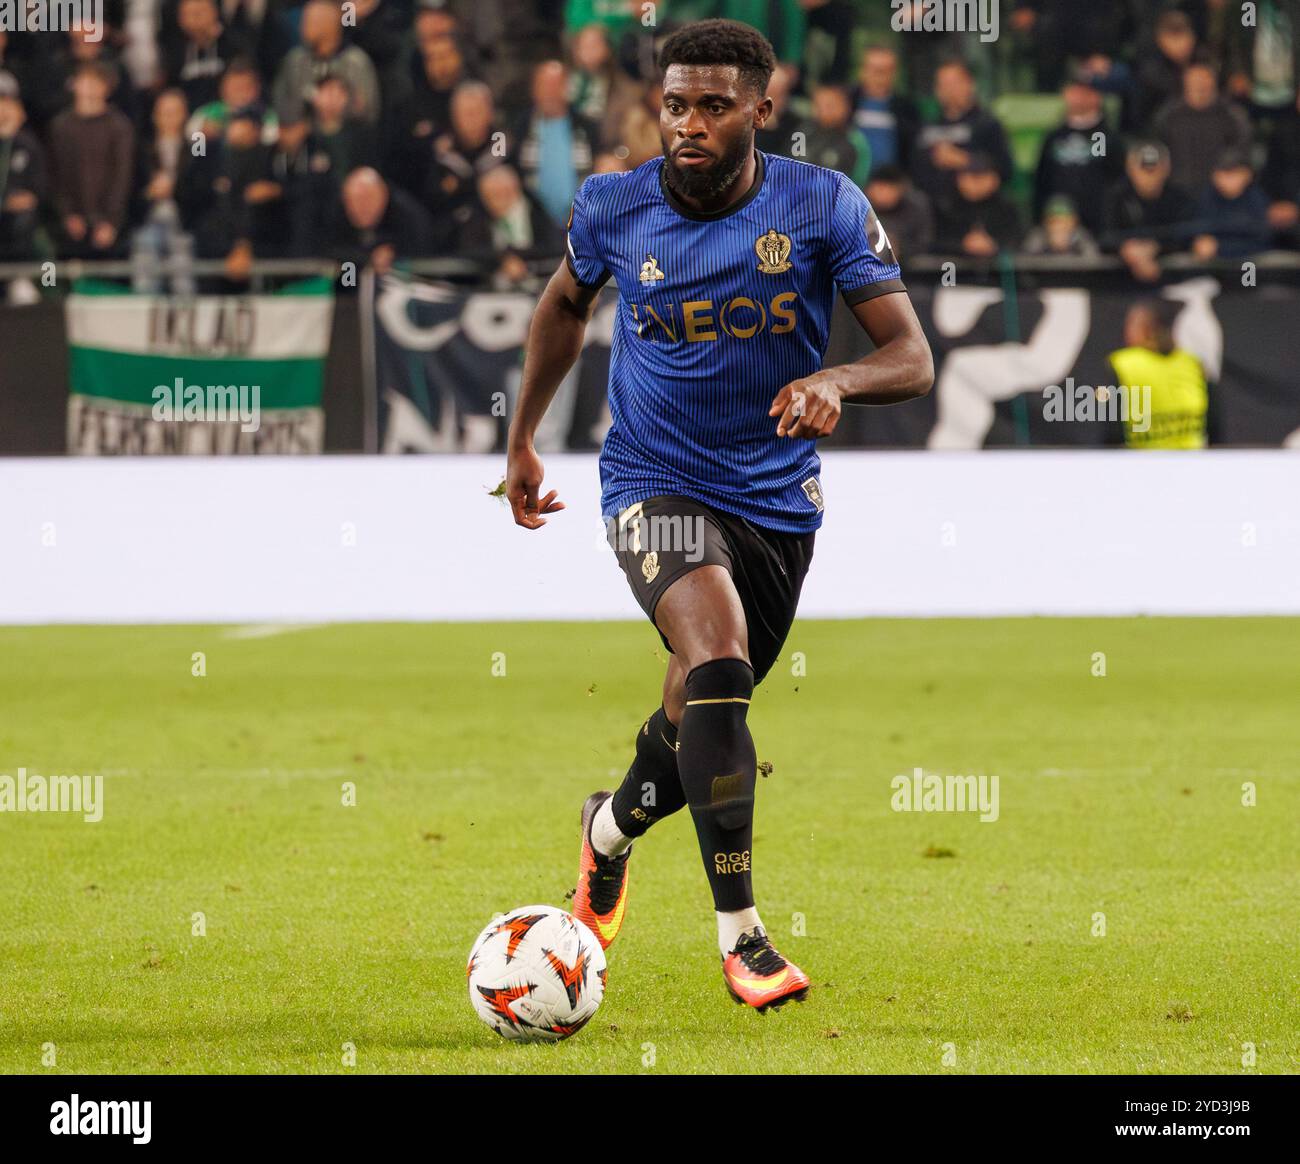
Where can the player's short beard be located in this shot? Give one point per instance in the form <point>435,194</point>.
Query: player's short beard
<point>688,182</point>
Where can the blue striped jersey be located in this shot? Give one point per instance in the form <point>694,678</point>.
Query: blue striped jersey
<point>717,312</point>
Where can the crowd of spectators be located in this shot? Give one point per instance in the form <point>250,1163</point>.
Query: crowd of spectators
<point>378,131</point>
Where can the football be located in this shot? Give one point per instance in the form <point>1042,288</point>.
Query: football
<point>536,974</point>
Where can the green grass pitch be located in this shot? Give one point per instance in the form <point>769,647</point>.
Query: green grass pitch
<point>329,925</point>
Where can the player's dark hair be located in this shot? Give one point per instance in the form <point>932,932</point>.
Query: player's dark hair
<point>1163,313</point>
<point>722,42</point>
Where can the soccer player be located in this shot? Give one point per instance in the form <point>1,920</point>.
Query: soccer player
<point>726,260</point>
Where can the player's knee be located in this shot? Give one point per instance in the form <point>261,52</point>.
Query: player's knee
<point>712,648</point>
<point>675,692</point>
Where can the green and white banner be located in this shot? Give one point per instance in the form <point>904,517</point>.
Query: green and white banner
<point>156,374</point>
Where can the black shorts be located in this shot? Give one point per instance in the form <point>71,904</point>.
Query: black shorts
<point>660,540</point>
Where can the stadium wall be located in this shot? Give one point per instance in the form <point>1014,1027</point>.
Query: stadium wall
<point>256,540</point>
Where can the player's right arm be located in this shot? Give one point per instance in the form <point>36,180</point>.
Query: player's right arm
<point>554,342</point>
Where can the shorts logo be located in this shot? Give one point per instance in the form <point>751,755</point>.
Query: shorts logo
<point>650,269</point>
<point>813,488</point>
<point>650,566</point>
<point>773,250</point>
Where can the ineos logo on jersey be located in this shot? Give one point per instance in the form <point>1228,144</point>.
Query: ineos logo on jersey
<point>741,317</point>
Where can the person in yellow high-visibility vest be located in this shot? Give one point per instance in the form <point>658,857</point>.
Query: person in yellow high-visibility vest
<point>1164,385</point>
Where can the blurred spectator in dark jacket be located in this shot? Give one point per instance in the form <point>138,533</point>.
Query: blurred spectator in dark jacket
<point>1146,216</point>
<point>256,28</point>
<point>424,113</point>
<point>92,162</point>
<point>339,140</point>
<point>159,242</point>
<point>1198,127</point>
<point>312,158</point>
<point>1061,232</point>
<point>380,32</point>
<point>890,120</point>
<point>777,136</point>
<point>23,182</point>
<point>49,83</point>
<point>380,224</point>
<point>1056,30</point>
<point>978,219</point>
<point>905,212</point>
<point>1281,175</point>
<point>944,148</point>
<point>552,145</point>
<point>323,52</point>
<point>1080,158</point>
<point>459,158</point>
<point>510,229</point>
<point>1232,215</point>
<point>203,47</point>
<point>230,199</point>
<point>1161,62</point>
<point>830,137</point>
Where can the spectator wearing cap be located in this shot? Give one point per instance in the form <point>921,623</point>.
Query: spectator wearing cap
<point>1232,217</point>
<point>830,137</point>
<point>23,185</point>
<point>1061,232</point>
<point>1164,58</point>
<point>1077,158</point>
<point>553,145</point>
<point>380,225</point>
<point>92,163</point>
<point>978,219</point>
<point>510,229</point>
<point>944,148</point>
<point>1146,217</point>
<point>905,212</point>
<point>1198,127</point>
<point>322,52</point>
<point>889,119</point>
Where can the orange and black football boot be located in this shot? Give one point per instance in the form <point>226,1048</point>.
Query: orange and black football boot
<point>759,977</point>
<point>601,896</point>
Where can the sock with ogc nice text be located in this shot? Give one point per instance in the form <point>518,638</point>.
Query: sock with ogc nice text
<point>716,762</point>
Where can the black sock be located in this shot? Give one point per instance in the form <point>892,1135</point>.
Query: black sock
<point>716,762</point>
<point>651,789</point>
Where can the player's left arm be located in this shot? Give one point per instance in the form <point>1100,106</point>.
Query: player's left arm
<point>901,368</point>
<point>861,263</point>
